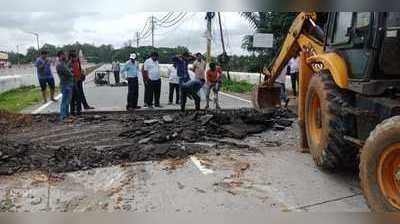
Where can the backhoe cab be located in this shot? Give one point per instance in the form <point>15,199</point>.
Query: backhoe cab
<point>349,96</point>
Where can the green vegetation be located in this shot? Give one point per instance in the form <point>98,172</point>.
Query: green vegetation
<point>16,100</point>
<point>100,54</point>
<point>236,86</point>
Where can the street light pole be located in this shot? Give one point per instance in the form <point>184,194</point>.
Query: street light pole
<point>137,39</point>
<point>18,54</point>
<point>152,30</point>
<point>37,39</point>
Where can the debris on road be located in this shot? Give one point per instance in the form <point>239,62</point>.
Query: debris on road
<point>36,201</point>
<point>242,166</point>
<point>105,139</point>
<point>10,121</point>
<point>150,122</point>
<point>180,185</point>
<point>168,119</point>
<point>200,190</point>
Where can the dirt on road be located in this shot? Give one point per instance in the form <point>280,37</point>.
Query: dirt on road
<point>41,142</point>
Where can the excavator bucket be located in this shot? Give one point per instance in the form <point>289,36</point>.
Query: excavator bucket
<point>266,97</point>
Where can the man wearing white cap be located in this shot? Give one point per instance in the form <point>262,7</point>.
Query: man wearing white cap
<point>131,69</point>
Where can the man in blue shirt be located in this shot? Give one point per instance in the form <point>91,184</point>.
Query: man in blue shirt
<point>182,62</point>
<point>66,84</point>
<point>191,89</point>
<point>45,75</point>
<point>132,70</point>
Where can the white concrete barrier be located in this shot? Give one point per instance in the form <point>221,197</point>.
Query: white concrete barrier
<point>9,82</point>
<point>253,78</point>
<point>22,76</point>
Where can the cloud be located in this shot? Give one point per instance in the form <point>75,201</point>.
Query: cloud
<point>116,28</point>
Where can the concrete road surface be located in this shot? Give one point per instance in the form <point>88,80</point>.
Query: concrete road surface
<point>271,175</point>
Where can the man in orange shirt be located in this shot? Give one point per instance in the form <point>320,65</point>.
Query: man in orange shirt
<point>214,74</point>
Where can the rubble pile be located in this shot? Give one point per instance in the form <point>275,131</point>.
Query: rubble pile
<point>11,120</point>
<point>25,156</point>
<point>129,137</point>
<point>200,126</point>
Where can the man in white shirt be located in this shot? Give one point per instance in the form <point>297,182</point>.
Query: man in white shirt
<point>116,70</point>
<point>173,84</point>
<point>294,72</point>
<point>281,81</point>
<point>151,77</point>
<point>199,67</point>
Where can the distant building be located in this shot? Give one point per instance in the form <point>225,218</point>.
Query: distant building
<point>4,60</point>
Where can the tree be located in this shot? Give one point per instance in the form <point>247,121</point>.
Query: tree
<point>101,54</point>
<point>31,55</point>
<point>50,48</point>
<point>277,23</point>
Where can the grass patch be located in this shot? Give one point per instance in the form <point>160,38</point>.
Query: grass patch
<point>18,99</point>
<point>236,86</point>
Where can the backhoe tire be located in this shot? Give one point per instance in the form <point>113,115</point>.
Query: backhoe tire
<point>325,125</point>
<point>380,167</point>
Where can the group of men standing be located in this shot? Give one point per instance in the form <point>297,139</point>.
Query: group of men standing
<point>71,74</point>
<point>180,81</point>
<point>151,78</point>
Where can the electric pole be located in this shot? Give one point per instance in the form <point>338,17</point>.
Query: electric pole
<point>209,17</point>
<point>224,54</point>
<point>137,39</point>
<point>152,31</point>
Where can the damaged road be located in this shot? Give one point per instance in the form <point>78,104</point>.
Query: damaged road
<point>40,142</point>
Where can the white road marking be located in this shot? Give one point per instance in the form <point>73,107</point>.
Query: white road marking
<point>235,97</point>
<point>44,106</point>
<point>200,166</point>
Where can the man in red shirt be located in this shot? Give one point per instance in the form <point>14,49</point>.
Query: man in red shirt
<point>75,67</point>
<point>78,96</point>
<point>214,74</point>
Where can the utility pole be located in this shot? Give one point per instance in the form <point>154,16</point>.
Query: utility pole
<point>137,39</point>
<point>152,31</point>
<point>224,54</point>
<point>209,17</point>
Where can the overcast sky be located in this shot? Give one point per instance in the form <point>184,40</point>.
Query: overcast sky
<point>116,28</point>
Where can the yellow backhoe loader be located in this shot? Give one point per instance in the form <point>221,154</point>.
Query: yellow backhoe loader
<point>349,96</point>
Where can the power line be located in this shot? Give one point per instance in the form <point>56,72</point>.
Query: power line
<point>147,34</point>
<point>172,20</point>
<point>175,22</point>
<point>146,29</point>
<point>189,18</point>
<point>226,33</point>
<point>169,20</point>
<point>145,25</point>
<point>165,18</point>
